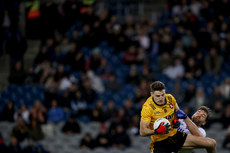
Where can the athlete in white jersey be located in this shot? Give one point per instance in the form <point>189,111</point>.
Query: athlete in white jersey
<point>199,118</point>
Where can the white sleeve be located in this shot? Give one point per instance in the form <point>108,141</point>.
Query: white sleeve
<point>202,131</point>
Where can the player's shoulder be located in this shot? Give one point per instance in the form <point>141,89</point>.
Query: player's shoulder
<point>170,98</point>
<point>169,95</point>
<point>148,101</point>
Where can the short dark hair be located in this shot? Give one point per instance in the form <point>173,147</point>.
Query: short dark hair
<point>157,86</point>
<point>206,110</point>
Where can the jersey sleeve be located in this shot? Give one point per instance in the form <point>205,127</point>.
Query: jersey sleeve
<point>202,131</point>
<point>145,113</point>
<point>173,100</point>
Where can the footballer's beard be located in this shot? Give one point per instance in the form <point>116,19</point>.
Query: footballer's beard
<point>196,121</point>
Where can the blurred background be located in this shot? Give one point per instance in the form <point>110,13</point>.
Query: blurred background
<point>75,73</point>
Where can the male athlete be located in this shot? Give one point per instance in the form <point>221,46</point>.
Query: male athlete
<point>164,138</point>
<point>200,118</point>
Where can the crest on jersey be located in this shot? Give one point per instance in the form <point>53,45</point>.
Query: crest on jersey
<point>171,106</point>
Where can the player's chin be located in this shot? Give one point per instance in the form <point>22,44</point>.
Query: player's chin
<point>196,121</point>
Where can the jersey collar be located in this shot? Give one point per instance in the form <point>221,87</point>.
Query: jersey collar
<point>158,104</point>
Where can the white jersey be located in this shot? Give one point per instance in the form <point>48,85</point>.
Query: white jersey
<point>184,128</point>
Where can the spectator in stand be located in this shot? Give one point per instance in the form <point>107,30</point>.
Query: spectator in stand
<point>110,110</point>
<point>129,109</point>
<point>70,14</point>
<point>14,146</point>
<point>143,88</point>
<point>87,143</point>
<point>142,39</point>
<point>225,119</point>
<point>103,138</point>
<point>79,104</point>
<point>147,74</point>
<point>65,82</point>
<point>94,62</point>
<point>24,112</point>
<point>35,131</point>
<point>113,84</point>
<point>65,100</point>
<point>164,61</point>
<point>178,48</point>
<point>86,39</point>
<point>134,125</point>
<point>141,56</point>
<point>155,45</point>
<point>75,58</point>
<point>38,112</point>
<point>217,113</point>
<point>31,147</point>
<point>213,62</point>
<point>118,39</point>
<point>215,39</point>
<point>190,92</point>
<point>130,56</point>
<point>71,126</point>
<point>224,48</point>
<point>199,58</point>
<point>19,130</point>
<point>65,45</point>
<point>176,70</point>
<point>178,93</point>
<point>96,82</point>
<point>190,68</point>
<point>133,76</point>
<point>226,142</point>
<point>57,57</point>
<point>198,100</point>
<point>204,38</point>
<point>118,119</point>
<point>87,92</point>
<point>225,88</point>
<point>16,47</point>
<point>55,113</point>
<point>50,19</point>
<point>98,113</point>
<point>42,55</point>
<point>216,96</point>
<point>17,74</point>
<point>121,139</point>
<point>3,146</point>
<point>8,111</point>
<point>60,73</point>
<point>104,69</point>
<point>74,38</point>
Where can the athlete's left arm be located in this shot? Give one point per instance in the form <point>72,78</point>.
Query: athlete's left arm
<point>177,107</point>
<point>192,127</point>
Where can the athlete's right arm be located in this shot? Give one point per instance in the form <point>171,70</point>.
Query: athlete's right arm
<point>144,128</point>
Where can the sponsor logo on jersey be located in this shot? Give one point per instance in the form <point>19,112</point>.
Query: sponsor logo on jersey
<point>157,112</point>
<point>151,105</point>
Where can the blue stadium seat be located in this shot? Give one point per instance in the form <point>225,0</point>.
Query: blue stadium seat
<point>103,44</point>
<point>84,118</point>
<point>77,75</point>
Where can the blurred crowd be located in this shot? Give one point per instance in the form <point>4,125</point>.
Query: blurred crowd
<point>87,54</point>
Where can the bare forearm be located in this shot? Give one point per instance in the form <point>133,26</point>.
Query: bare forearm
<point>192,127</point>
<point>146,132</point>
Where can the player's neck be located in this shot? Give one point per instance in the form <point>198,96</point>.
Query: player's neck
<point>160,104</point>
